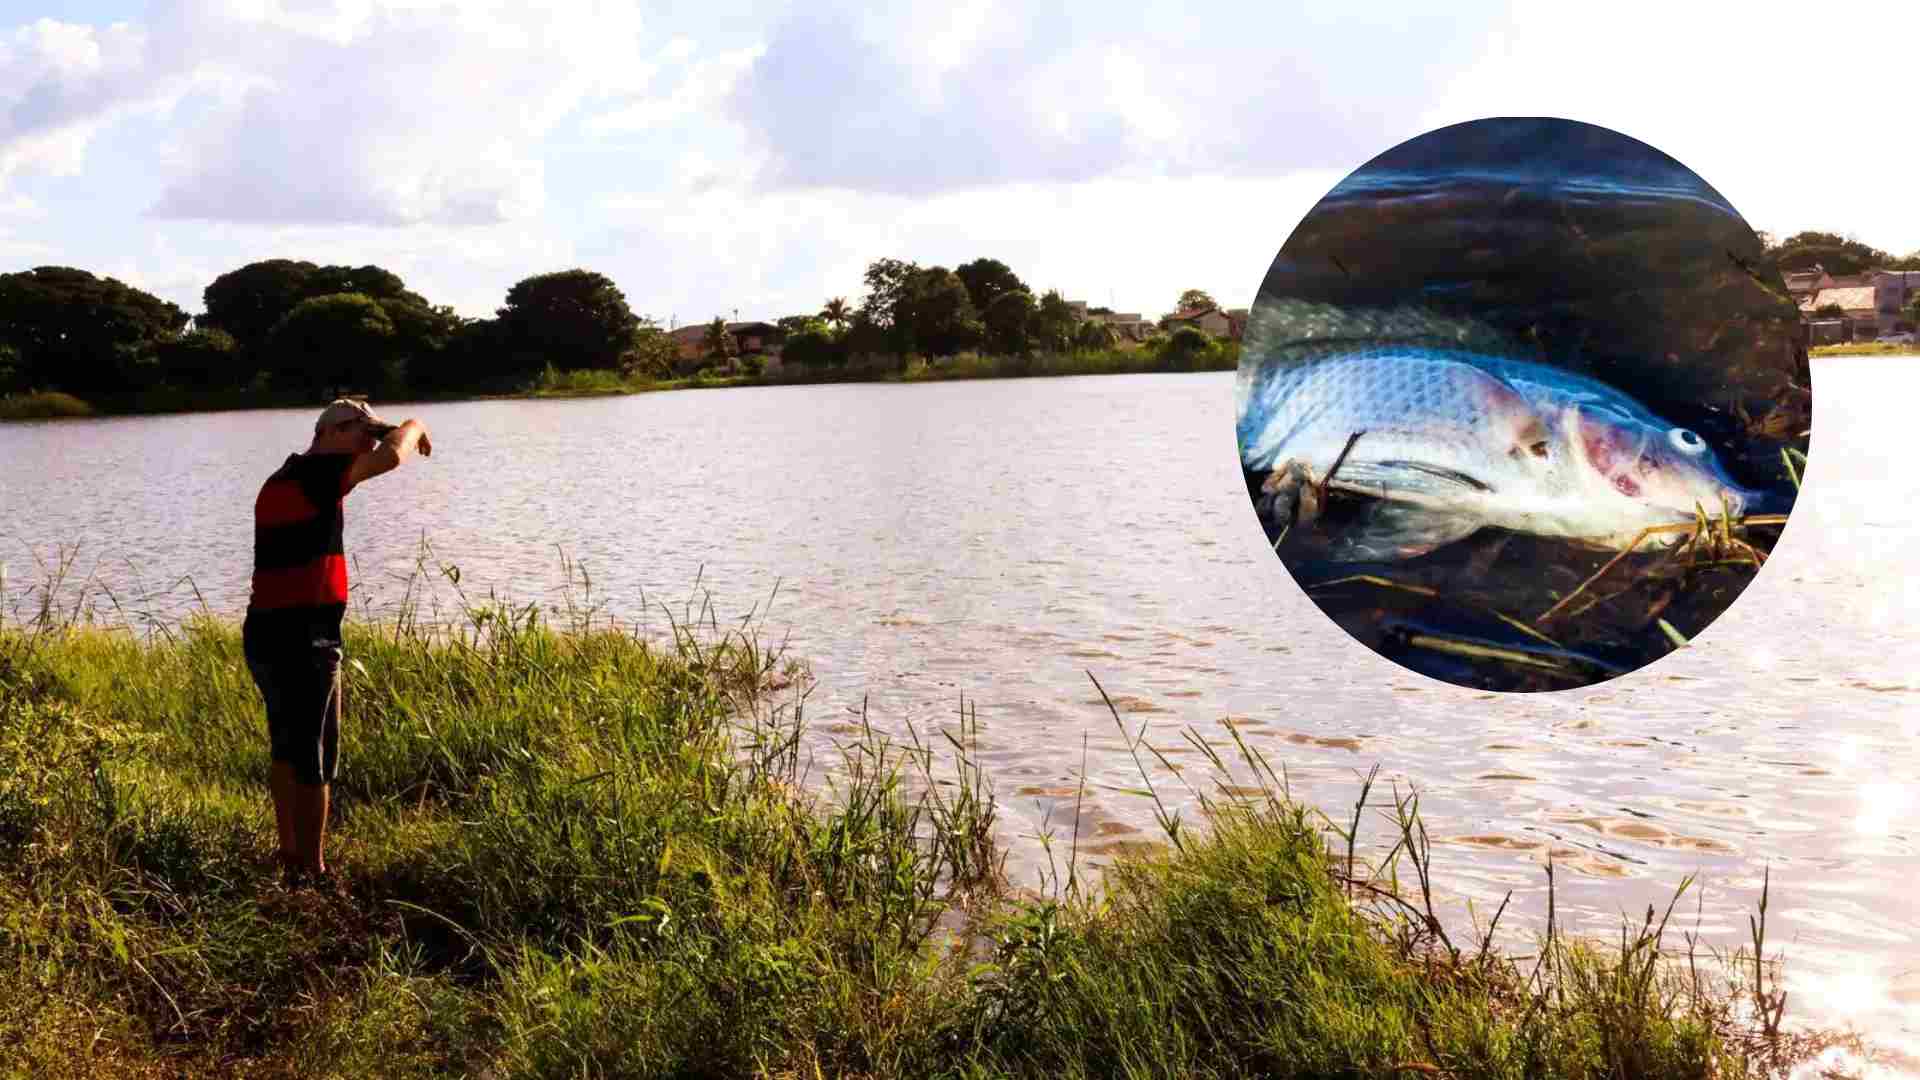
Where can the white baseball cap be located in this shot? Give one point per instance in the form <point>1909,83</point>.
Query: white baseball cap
<point>344,410</point>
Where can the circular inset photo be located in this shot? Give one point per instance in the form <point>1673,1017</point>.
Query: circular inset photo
<point>1519,406</point>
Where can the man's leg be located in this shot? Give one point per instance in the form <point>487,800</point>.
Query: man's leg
<point>283,814</point>
<point>269,678</point>
<point>310,826</point>
<point>319,757</point>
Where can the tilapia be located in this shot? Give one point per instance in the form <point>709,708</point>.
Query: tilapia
<point>1453,439</point>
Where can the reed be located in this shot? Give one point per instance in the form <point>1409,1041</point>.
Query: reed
<point>569,848</point>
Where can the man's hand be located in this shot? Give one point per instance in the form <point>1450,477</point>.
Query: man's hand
<point>394,447</point>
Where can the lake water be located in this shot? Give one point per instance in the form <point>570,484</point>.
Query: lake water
<point>1000,539</point>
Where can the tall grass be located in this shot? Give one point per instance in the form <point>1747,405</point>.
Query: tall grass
<point>1865,348</point>
<point>43,405</point>
<point>571,851</point>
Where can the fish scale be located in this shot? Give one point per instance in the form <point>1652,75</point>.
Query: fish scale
<point>1454,439</point>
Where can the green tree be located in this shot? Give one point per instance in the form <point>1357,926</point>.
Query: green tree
<point>372,281</point>
<point>1196,298</point>
<point>83,334</point>
<point>813,348</point>
<point>1095,335</point>
<point>477,354</point>
<point>652,353</point>
<point>205,358</point>
<point>572,319</point>
<point>940,314</point>
<point>890,288</point>
<point>1185,347</point>
<point>1008,320</point>
<point>1834,253</point>
<point>1054,323</point>
<point>837,313</point>
<point>341,340</point>
<point>1829,311</point>
<point>248,302</point>
<point>987,279</point>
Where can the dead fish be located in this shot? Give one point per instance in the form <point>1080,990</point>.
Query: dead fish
<point>1453,439</point>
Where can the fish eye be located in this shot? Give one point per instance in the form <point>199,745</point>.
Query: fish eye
<point>1686,441</point>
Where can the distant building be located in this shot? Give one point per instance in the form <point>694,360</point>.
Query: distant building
<point>1130,328</point>
<point>1893,290</point>
<point>1827,332</point>
<point>1802,284</point>
<point>1872,304</point>
<point>750,338</point>
<point>1230,324</point>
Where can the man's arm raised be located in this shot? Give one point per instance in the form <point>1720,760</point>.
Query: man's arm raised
<point>396,446</point>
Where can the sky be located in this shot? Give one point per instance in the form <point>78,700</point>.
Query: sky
<point>721,157</point>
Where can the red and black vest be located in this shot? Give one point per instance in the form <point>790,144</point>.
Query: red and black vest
<point>299,552</point>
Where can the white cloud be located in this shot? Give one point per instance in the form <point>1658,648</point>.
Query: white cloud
<point>887,102</point>
<point>1131,243</point>
<point>701,86</point>
<point>1722,94</point>
<point>358,111</point>
<point>61,83</point>
<point>398,114</point>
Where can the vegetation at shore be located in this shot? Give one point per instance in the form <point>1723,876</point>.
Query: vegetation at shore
<point>282,332</point>
<point>1865,348</point>
<point>567,850</point>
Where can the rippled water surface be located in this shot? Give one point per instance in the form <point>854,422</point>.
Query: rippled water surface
<point>1000,539</point>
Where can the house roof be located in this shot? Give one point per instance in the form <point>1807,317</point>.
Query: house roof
<point>1195,313</point>
<point>1851,298</point>
<point>697,331</point>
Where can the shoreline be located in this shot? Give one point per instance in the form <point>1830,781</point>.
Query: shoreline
<point>50,405</point>
<point>558,854</point>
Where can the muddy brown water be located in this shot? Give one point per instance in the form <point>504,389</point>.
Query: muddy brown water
<point>1000,539</point>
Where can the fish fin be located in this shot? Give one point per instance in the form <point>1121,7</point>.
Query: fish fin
<point>1390,531</point>
<point>1383,479</point>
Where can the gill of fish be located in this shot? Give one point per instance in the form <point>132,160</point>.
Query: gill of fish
<point>1456,440</point>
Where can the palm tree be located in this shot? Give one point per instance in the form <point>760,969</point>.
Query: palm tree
<point>719,343</point>
<point>836,312</point>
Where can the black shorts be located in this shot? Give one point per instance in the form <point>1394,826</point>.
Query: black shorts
<point>300,682</point>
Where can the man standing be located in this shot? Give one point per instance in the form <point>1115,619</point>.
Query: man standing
<point>291,635</point>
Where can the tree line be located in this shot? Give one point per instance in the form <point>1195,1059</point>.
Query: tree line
<point>1836,254</point>
<point>293,327</point>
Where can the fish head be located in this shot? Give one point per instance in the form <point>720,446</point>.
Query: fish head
<point>1648,472</point>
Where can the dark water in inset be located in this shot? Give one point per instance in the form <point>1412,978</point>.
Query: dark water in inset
<point>1585,250</point>
<point>1000,539</point>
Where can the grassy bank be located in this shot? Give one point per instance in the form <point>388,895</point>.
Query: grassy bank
<point>570,852</point>
<point>895,369</point>
<point>1865,348</point>
<point>589,383</point>
<point>46,405</point>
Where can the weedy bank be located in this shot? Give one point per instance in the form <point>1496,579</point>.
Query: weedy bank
<point>571,851</point>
